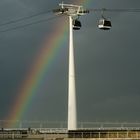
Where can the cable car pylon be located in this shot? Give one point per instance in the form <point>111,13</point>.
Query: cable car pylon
<point>72,11</point>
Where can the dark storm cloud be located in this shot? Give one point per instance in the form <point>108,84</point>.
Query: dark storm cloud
<point>107,63</point>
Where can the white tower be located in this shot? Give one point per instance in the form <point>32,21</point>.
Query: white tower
<point>72,113</point>
<point>72,11</point>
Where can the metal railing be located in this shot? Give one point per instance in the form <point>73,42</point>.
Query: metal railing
<point>64,133</point>
<point>61,127</point>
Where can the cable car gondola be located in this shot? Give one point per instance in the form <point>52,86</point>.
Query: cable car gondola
<point>76,24</point>
<point>104,24</point>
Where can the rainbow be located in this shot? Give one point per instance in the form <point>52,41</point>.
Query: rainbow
<point>41,65</point>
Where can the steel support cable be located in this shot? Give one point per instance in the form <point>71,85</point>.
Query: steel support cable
<point>29,24</point>
<point>115,10</point>
<point>50,11</point>
<point>25,18</point>
<point>51,18</point>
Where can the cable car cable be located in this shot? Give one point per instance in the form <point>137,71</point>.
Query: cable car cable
<point>25,18</point>
<point>49,11</point>
<point>29,24</point>
<point>105,24</point>
<point>114,10</point>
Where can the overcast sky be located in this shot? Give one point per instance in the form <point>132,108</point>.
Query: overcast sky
<point>107,62</point>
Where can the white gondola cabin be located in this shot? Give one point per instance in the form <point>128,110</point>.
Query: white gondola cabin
<point>104,24</point>
<point>76,24</point>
